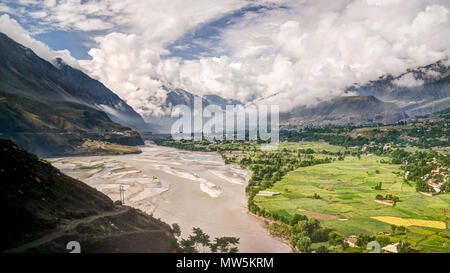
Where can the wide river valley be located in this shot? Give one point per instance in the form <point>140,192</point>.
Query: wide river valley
<point>193,189</point>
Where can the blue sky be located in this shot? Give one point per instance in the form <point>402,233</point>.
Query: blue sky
<point>205,40</point>
<point>75,41</point>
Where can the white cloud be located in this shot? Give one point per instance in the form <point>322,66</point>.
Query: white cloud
<point>305,52</point>
<point>13,30</point>
<point>313,51</point>
<point>6,9</point>
<point>136,73</point>
<point>408,80</point>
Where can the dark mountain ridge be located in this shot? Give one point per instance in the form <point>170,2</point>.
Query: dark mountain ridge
<point>25,73</point>
<point>51,110</point>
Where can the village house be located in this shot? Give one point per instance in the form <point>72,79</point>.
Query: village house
<point>351,241</point>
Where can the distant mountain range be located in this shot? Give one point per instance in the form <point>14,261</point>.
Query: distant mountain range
<point>420,91</point>
<point>346,110</point>
<point>50,109</point>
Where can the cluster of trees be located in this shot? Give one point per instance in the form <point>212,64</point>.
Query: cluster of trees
<point>422,186</point>
<point>200,146</point>
<point>322,134</point>
<point>420,164</point>
<point>396,230</point>
<point>199,241</point>
<point>445,187</point>
<point>378,187</point>
<point>301,231</point>
<point>423,134</point>
<point>390,197</point>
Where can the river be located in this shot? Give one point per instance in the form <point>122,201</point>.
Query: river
<point>192,189</point>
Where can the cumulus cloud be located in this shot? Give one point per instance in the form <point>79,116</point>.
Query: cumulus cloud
<point>14,30</point>
<point>313,51</point>
<point>136,73</point>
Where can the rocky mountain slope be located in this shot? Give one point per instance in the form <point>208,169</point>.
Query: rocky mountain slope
<point>354,110</point>
<point>51,109</point>
<point>45,209</point>
<point>420,91</point>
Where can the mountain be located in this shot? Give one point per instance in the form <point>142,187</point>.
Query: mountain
<point>180,96</point>
<point>415,92</point>
<point>217,100</point>
<point>52,109</point>
<point>45,209</point>
<point>24,73</point>
<point>96,95</point>
<point>346,110</point>
<point>419,91</point>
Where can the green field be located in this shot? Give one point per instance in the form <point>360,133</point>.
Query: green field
<point>347,197</point>
<point>316,146</point>
<point>339,186</point>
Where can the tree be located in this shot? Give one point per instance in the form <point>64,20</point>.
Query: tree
<point>225,245</point>
<point>393,228</point>
<point>378,187</point>
<point>200,242</point>
<point>297,218</point>
<point>334,238</point>
<point>322,249</point>
<point>423,186</point>
<point>401,228</point>
<point>176,231</point>
<point>403,247</point>
<point>304,244</point>
<point>320,235</point>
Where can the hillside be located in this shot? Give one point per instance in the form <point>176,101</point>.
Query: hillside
<point>44,209</point>
<point>419,91</point>
<point>52,109</point>
<point>355,110</point>
<point>26,74</point>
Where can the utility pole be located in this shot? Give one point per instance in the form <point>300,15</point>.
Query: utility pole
<point>122,194</point>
